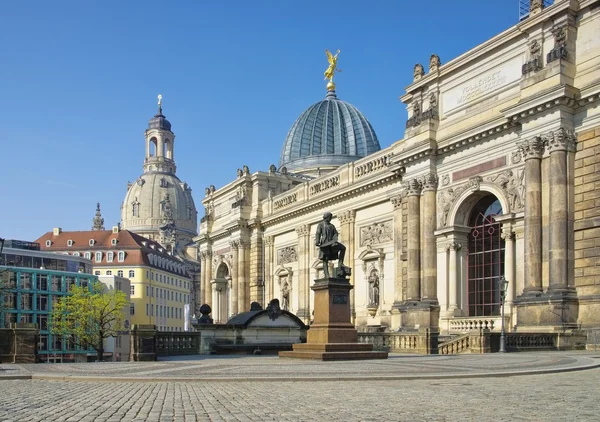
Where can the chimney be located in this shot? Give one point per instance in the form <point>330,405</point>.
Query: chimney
<point>56,231</point>
<point>116,229</point>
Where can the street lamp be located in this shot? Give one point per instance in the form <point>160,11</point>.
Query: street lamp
<point>502,286</point>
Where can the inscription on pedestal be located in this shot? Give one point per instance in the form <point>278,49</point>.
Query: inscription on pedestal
<point>340,299</point>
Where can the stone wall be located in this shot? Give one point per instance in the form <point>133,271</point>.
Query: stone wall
<point>587,226</point>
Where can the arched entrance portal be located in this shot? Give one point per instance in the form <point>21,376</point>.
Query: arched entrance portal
<point>485,258</point>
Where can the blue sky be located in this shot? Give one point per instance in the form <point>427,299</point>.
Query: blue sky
<point>79,81</point>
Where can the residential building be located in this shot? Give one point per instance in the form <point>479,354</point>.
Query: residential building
<point>117,348</point>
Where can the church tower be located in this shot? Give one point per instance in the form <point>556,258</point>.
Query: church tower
<point>158,205</point>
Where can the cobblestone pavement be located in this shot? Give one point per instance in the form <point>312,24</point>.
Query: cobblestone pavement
<point>213,368</point>
<point>436,388</point>
<point>566,396</point>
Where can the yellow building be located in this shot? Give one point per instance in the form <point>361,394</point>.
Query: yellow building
<point>160,282</point>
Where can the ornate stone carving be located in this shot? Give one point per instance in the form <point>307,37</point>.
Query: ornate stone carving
<point>453,246</point>
<point>140,182</point>
<point>377,164</point>
<point>475,183</point>
<point>531,148</point>
<point>167,210</point>
<point>413,187</point>
<point>274,310</point>
<point>446,199</point>
<point>212,188</point>
<point>268,240</point>
<point>418,72</point>
<point>240,173</point>
<point>560,44</point>
<point>347,216</point>
<point>285,293</point>
<point>377,233</point>
<point>434,63</point>
<point>433,101</point>
<point>535,7</point>
<point>515,157</point>
<point>325,185</point>
<point>234,244</point>
<point>287,255</point>
<point>507,233</point>
<point>397,200</point>
<point>445,180</point>
<point>560,140</point>
<point>303,230</point>
<point>285,201</point>
<point>98,221</point>
<point>373,280</point>
<point>246,170</point>
<point>535,61</point>
<point>513,186</point>
<point>272,169</point>
<point>429,182</point>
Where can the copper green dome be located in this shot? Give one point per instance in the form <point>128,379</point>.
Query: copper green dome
<point>329,133</point>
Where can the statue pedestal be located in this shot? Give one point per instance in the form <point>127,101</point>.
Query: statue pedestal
<point>332,336</point>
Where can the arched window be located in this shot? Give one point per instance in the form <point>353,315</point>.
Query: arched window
<point>485,258</point>
<point>121,256</point>
<point>87,255</point>
<point>120,273</point>
<point>135,209</point>
<point>109,272</point>
<point>131,273</point>
<point>152,147</point>
<point>110,256</point>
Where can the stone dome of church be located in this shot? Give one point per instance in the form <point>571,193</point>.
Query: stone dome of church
<point>158,205</point>
<point>146,205</point>
<point>328,134</point>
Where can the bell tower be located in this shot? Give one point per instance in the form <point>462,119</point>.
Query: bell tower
<point>159,144</point>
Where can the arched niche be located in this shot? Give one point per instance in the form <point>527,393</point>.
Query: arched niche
<point>463,205</point>
<point>373,274</point>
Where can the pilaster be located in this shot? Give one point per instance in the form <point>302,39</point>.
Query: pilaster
<point>347,219</point>
<point>429,250</point>
<point>234,276</point>
<point>413,189</point>
<point>242,269</point>
<point>268,263</point>
<point>304,311</point>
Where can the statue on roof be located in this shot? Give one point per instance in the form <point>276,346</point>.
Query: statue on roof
<point>330,72</point>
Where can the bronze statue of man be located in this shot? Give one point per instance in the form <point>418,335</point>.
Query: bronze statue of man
<point>326,239</point>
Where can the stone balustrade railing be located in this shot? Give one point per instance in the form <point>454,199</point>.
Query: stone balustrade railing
<point>463,325</point>
<point>455,346</point>
<point>177,343</point>
<point>423,341</point>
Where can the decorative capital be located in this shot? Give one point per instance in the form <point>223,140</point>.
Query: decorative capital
<point>429,182</point>
<point>560,140</point>
<point>507,234</point>
<point>531,148</point>
<point>453,246</point>
<point>413,187</point>
<point>475,183</point>
<point>347,216</point>
<point>243,244</point>
<point>397,200</point>
<point>268,240</point>
<point>234,244</point>
<point>303,230</point>
<point>560,35</point>
<point>206,255</point>
<point>535,48</point>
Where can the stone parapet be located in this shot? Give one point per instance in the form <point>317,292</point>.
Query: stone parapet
<point>18,344</point>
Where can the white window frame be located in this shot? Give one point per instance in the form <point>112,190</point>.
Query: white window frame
<point>92,242</point>
<point>131,273</point>
<point>108,272</point>
<point>98,257</point>
<point>113,241</point>
<point>121,256</point>
<point>69,242</point>
<point>110,256</point>
<point>87,255</point>
<point>48,243</point>
<point>120,273</point>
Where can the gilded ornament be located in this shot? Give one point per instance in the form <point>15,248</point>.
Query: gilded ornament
<point>330,71</point>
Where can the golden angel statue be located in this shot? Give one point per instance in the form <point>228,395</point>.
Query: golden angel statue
<point>332,65</point>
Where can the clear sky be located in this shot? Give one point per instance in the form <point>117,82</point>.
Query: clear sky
<point>79,81</point>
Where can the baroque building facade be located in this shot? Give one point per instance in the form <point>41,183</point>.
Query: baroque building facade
<point>497,176</point>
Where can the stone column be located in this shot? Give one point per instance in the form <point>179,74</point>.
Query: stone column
<point>532,150</point>
<point>269,265</point>
<point>453,299</point>
<point>208,277</point>
<point>203,285</point>
<point>413,189</point>
<point>243,304</point>
<point>347,219</point>
<point>234,276</point>
<point>509,263</point>
<point>257,268</point>
<point>397,202</point>
<point>304,244</point>
<point>429,254</point>
<point>558,143</point>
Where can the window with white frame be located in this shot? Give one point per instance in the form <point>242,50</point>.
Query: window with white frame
<point>113,242</point>
<point>98,256</point>
<point>76,254</point>
<point>91,242</point>
<point>121,256</point>
<point>48,243</point>
<point>69,242</point>
<point>96,272</point>
<point>87,255</point>
<point>110,256</point>
<point>120,273</point>
<point>131,273</point>
<point>132,289</point>
<point>132,309</point>
<point>109,272</point>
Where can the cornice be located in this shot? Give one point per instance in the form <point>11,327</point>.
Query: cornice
<point>336,196</point>
<point>530,106</point>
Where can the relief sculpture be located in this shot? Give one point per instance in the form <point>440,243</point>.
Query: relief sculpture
<point>287,255</point>
<point>377,233</point>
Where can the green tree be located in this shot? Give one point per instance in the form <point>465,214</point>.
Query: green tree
<point>90,315</point>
